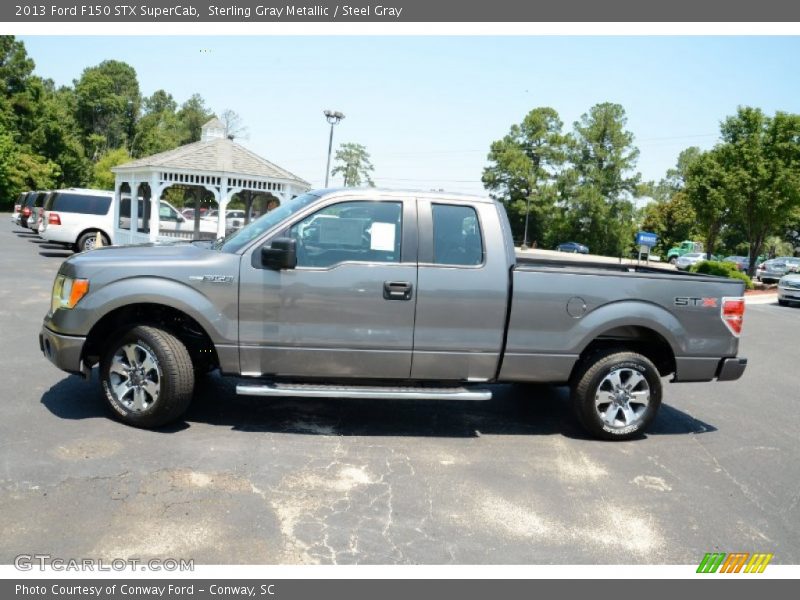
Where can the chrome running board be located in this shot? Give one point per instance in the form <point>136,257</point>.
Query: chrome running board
<point>310,390</point>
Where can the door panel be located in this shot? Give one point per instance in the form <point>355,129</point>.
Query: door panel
<point>461,306</point>
<point>333,320</point>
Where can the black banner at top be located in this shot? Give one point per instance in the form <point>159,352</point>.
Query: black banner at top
<point>399,11</point>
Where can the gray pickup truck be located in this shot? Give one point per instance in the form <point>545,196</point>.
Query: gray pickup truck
<point>386,295</point>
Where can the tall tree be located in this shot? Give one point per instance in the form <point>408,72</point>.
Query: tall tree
<point>597,206</point>
<point>671,215</point>
<point>523,169</point>
<point>159,128</point>
<point>761,158</point>
<point>234,124</point>
<point>353,162</point>
<point>192,115</point>
<point>706,190</point>
<point>108,102</point>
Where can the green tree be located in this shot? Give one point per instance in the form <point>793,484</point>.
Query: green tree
<point>192,115</point>
<point>523,170</point>
<point>597,190</point>
<point>159,129</point>
<point>353,162</point>
<point>21,169</point>
<point>102,177</point>
<point>673,220</point>
<point>108,102</point>
<point>706,190</point>
<point>671,214</point>
<point>761,159</point>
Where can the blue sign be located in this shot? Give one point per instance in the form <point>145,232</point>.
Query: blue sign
<point>645,238</point>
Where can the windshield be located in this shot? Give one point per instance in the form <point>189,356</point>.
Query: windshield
<point>238,239</point>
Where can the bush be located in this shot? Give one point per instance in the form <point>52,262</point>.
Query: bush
<point>721,269</point>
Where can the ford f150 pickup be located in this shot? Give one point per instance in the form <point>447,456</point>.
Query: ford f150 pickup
<point>386,295</point>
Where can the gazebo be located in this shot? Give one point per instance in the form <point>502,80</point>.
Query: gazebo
<point>216,163</point>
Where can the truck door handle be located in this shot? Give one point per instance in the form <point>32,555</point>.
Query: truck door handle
<point>397,290</point>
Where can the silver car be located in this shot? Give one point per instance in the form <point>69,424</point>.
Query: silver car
<point>687,260</point>
<point>772,270</point>
<point>789,289</point>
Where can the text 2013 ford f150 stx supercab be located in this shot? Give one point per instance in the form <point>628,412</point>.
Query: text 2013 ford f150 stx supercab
<point>381,294</point>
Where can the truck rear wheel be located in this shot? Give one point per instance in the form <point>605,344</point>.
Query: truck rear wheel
<point>616,394</point>
<point>147,376</point>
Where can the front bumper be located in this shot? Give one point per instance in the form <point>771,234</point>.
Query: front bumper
<point>64,351</point>
<point>789,294</point>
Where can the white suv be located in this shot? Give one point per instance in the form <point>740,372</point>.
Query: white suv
<point>77,216</point>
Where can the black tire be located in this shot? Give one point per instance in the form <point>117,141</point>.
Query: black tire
<point>173,374</point>
<point>782,302</point>
<point>673,260</point>
<point>87,241</point>
<point>590,384</point>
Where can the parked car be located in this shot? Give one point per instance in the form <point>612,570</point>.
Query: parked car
<point>573,247</point>
<point>772,270</point>
<point>789,289</point>
<point>75,217</point>
<point>233,218</point>
<point>18,208</point>
<point>682,249</point>
<point>687,260</point>
<point>37,211</point>
<point>742,262</point>
<point>431,304</point>
<point>26,209</point>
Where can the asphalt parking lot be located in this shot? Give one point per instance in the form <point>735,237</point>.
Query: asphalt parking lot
<point>510,481</point>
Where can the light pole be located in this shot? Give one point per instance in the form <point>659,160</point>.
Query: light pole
<point>333,117</point>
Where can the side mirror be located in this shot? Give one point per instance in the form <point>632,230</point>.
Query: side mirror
<point>281,254</point>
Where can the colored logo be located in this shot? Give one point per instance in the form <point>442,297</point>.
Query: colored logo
<point>736,562</point>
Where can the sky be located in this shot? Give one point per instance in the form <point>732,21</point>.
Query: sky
<point>427,108</point>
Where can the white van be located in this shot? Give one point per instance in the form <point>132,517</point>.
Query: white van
<point>76,216</point>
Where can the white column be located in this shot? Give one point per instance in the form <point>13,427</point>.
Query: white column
<point>134,209</point>
<point>118,233</point>
<point>224,197</point>
<point>155,206</point>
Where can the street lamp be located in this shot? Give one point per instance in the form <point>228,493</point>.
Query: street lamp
<point>333,117</point>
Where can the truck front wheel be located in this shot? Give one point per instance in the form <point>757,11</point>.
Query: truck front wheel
<point>147,376</point>
<point>616,394</point>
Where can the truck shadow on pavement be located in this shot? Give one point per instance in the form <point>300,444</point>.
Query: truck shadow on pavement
<point>514,410</point>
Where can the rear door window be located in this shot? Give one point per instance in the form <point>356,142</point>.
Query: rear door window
<point>80,203</point>
<point>456,235</point>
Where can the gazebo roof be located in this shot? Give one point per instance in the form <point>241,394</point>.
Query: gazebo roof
<point>213,154</point>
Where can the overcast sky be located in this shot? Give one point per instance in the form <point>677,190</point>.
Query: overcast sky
<point>427,108</point>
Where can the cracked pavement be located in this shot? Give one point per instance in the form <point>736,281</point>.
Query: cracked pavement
<point>510,481</point>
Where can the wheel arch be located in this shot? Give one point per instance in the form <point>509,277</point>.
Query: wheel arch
<point>640,327</point>
<point>169,318</point>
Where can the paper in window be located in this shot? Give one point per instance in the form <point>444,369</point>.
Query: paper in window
<point>383,236</point>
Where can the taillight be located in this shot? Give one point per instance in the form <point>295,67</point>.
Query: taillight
<point>733,314</point>
<point>26,212</point>
<point>53,219</point>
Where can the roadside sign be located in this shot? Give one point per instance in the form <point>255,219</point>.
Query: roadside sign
<point>645,238</point>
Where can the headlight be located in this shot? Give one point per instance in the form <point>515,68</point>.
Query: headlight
<point>67,292</point>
